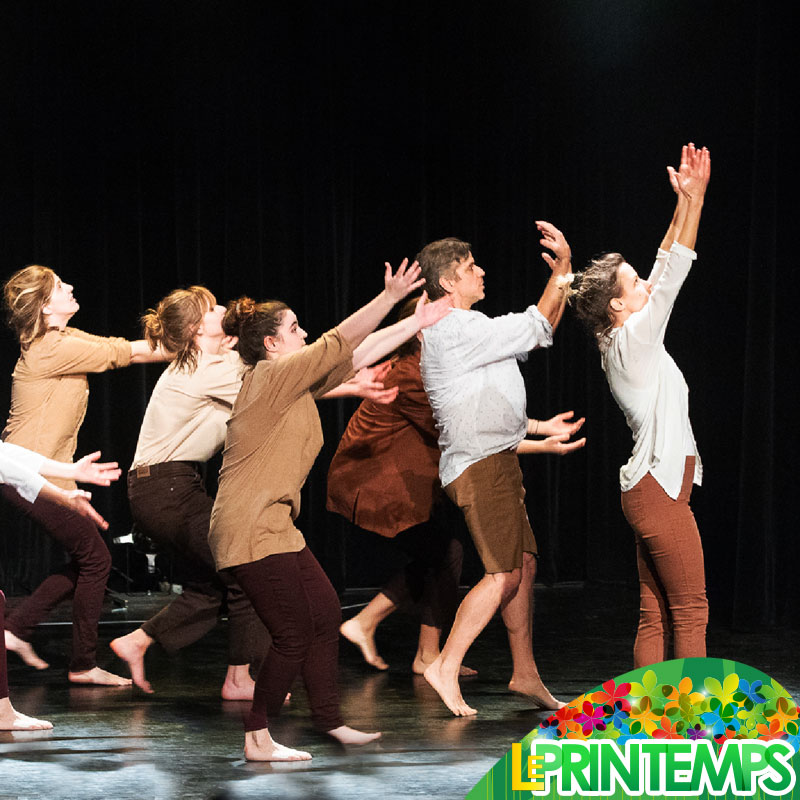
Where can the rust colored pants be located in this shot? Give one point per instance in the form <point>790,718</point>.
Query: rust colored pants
<point>672,583</point>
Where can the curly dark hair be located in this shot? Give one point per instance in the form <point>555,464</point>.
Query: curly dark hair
<point>592,292</point>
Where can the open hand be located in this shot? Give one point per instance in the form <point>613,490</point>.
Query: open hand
<point>80,502</point>
<point>694,173</point>
<point>87,471</point>
<point>561,423</point>
<point>554,240</point>
<point>368,383</point>
<point>427,314</point>
<point>560,446</point>
<point>403,282</point>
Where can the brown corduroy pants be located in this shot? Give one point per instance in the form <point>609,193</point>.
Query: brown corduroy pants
<point>672,582</point>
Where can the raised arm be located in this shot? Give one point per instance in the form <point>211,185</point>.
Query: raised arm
<point>693,178</point>
<point>551,303</point>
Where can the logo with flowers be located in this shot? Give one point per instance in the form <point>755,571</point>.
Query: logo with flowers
<point>658,703</point>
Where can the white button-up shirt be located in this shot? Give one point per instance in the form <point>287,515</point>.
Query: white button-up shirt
<point>649,387</point>
<point>470,373</point>
<point>19,468</point>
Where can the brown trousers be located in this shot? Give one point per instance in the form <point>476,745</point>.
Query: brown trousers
<point>672,583</point>
<point>83,579</point>
<point>3,668</point>
<point>171,505</point>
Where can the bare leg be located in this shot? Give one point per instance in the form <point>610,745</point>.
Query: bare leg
<point>12,720</point>
<point>347,735</point>
<point>98,677</point>
<point>360,630</point>
<point>518,618</point>
<point>260,746</point>
<point>131,648</point>
<point>474,613</point>
<point>428,651</point>
<point>24,650</point>
<point>238,683</point>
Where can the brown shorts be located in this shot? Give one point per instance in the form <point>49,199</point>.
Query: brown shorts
<point>492,498</point>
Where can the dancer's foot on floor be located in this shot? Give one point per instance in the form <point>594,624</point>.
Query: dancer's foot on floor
<point>238,688</point>
<point>419,665</point>
<point>131,649</point>
<point>446,686</point>
<point>353,632</point>
<point>533,688</point>
<point>260,746</point>
<point>12,720</point>
<point>98,677</point>
<point>346,735</point>
<point>24,650</point>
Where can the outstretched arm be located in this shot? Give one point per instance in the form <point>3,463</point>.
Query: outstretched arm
<point>382,342</point>
<point>85,470</point>
<point>75,500</point>
<point>142,353</point>
<point>681,204</point>
<point>551,303</point>
<point>367,383</point>
<point>556,445</point>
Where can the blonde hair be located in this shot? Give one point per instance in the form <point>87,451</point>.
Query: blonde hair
<point>592,292</point>
<point>25,294</point>
<point>174,322</point>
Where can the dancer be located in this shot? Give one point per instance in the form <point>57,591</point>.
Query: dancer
<point>384,477</point>
<point>183,427</point>
<point>470,373</point>
<point>274,436</point>
<point>627,317</point>
<point>49,395</point>
<point>23,470</point>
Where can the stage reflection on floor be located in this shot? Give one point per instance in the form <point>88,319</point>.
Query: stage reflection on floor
<point>185,742</point>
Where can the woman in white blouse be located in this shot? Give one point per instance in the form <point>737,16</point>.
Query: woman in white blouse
<point>627,316</point>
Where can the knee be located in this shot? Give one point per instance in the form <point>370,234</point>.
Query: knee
<point>96,560</point>
<point>507,583</point>
<point>292,645</point>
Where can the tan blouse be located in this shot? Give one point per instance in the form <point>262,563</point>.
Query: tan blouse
<point>274,436</point>
<point>50,392</point>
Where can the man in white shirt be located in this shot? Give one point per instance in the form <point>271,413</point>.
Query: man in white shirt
<point>470,372</point>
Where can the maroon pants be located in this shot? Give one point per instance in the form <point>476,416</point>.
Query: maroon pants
<point>83,579</point>
<point>171,505</point>
<point>296,602</point>
<point>3,668</point>
<point>672,583</point>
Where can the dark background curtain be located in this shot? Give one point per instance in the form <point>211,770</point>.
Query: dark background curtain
<point>289,152</point>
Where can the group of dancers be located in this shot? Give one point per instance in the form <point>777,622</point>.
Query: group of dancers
<point>441,426</point>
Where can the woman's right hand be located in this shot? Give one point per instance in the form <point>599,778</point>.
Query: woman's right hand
<point>403,282</point>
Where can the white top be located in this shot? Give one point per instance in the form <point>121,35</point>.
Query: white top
<point>19,468</point>
<point>188,412</point>
<point>470,373</point>
<point>649,387</point>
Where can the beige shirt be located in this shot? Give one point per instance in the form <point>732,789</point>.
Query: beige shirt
<point>50,392</point>
<point>188,412</point>
<point>274,436</point>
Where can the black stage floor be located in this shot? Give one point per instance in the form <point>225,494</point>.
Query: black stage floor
<point>185,742</point>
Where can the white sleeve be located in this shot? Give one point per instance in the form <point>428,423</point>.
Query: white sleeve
<point>19,468</point>
<point>662,256</point>
<point>485,340</point>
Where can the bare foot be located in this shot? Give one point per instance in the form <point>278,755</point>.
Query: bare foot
<point>24,650</point>
<point>346,735</point>
<point>353,632</point>
<point>238,687</point>
<point>131,649</point>
<point>260,746</point>
<point>419,666</point>
<point>534,689</point>
<point>12,720</point>
<point>98,677</point>
<point>447,688</point>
